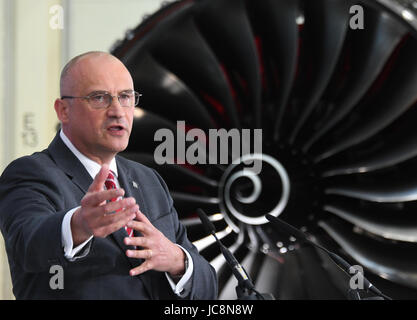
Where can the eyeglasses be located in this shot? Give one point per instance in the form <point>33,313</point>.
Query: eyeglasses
<point>103,100</point>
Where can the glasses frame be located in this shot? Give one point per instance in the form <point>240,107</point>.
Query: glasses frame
<point>89,96</point>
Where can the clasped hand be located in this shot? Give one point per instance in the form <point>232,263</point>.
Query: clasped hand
<point>100,217</point>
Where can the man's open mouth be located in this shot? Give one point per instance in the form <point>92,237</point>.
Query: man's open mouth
<point>115,128</point>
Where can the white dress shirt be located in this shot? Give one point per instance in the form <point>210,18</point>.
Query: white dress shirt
<point>182,288</point>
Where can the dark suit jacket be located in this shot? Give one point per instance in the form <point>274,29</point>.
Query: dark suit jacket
<point>37,191</point>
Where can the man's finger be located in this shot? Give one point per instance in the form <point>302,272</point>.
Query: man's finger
<point>113,222</point>
<point>137,241</point>
<point>145,266</point>
<point>142,227</point>
<point>140,254</point>
<point>100,178</point>
<point>96,198</point>
<point>141,217</point>
<point>116,206</point>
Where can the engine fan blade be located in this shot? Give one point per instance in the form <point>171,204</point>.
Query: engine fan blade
<point>326,26</point>
<point>371,50</point>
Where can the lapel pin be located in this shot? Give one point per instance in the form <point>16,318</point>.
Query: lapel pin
<point>135,185</point>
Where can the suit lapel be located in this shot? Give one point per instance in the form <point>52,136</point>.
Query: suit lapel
<point>69,163</point>
<point>131,187</point>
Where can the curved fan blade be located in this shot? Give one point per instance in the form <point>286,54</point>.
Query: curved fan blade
<point>145,124</point>
<point>386,192</point>
<point>267,280</point>
<point>165,94</point>
<point>173,172</point>
<point>138,41</point>
<point>394,229</point>
<point>221,28</point>
<point>371,254</point>
<point>196,64</point>
<point>197,200</point>
<point>370,53</point>
<point>400,93</point>
<point>276,21</point>
<point>194,221</point>
<point>329,20</point>
<point>209,240</point>
<point>399,147</point>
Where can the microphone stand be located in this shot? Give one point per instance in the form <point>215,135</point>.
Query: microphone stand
<point>245,289</point>
<point>353,294</point>
<point>244,294</point>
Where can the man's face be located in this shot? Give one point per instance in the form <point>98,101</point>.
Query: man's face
<point>98,133</point>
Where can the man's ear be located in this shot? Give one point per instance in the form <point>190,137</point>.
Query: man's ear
<point>61,109</point>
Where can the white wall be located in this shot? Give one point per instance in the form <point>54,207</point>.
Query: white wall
<point>33,50</point>
<point>97,24</point>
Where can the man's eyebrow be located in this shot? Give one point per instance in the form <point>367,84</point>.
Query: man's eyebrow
<point>104,91</point>
<point>97,92</point>
<point>126,90</point>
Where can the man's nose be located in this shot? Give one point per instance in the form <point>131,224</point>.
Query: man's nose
<point>115,109</point>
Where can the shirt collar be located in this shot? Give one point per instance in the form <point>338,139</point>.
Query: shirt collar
<point>91,166</point>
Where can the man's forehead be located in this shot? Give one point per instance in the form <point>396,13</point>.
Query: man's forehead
<point>96,72</point>
<point>99,64</point>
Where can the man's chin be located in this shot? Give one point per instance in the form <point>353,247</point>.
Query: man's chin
<point>116,147</point>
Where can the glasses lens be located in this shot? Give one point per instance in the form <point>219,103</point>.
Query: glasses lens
<point>127,99</point>
<point>100,100</point>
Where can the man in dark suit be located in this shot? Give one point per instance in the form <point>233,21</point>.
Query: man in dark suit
<point>108,223</point>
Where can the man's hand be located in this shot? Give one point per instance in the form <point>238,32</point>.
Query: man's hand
<point>158,251</point>
<point>97,216</point>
